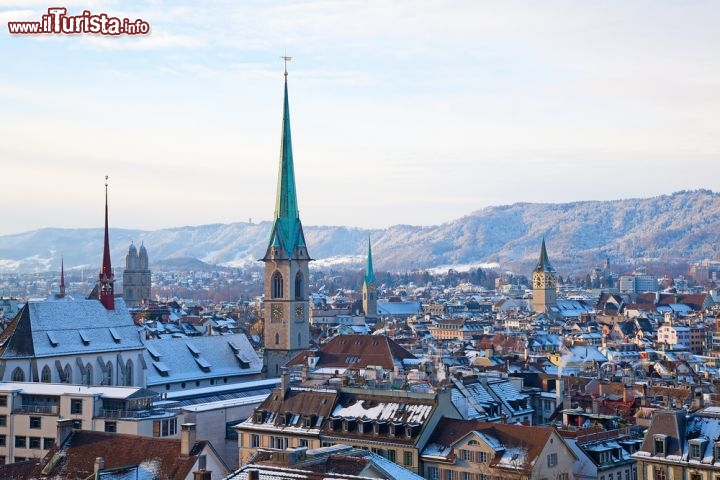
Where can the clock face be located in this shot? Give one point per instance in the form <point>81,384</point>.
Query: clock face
<point>551,281</point>
<point>537,281</point>
<point>299,311</point>
<point>276,312</point>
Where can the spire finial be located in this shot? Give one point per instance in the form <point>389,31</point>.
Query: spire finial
<point>287,59</point>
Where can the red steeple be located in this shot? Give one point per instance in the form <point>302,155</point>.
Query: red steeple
<point>62,277</point>
<point>106,278</point>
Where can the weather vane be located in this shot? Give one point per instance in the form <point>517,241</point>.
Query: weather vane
<point>287,59</point>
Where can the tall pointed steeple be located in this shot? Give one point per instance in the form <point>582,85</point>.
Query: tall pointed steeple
<point>286,327</point>
<point>62,277</point>
<point>369,273</point>
<point>287,233</point>
<point>369,287</point>
<point>106,278</point>
<point>543,263</point>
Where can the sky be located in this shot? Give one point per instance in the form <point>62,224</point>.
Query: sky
<point>402,112</point>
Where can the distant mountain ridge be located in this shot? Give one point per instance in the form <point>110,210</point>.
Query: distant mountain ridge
<point>682,226</point>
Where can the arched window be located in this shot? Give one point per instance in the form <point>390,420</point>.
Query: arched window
<point>46,375</point>
<point>88,379</point>
<point>299,286</point>
<point>108,374</point>
<point>129,373</point>
<point>68,373</point>
<point>18,375</point>
<point>299,339</point>
<point>277,339</point>
<point>277,285</point>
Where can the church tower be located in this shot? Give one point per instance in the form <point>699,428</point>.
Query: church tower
<point>544,283</point>
<point>369,287</point>
<point>136,277</point>
<point>106,278</point>
<point>286,327</point>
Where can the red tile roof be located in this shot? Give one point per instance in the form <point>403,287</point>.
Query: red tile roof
<point>118,450</point>
<point>353,351</point>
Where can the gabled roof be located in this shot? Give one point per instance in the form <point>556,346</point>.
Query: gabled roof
<point>670,424</point>
<point>356,351</point>
<point>65,326</point>
<point>160,455</point>
<point>501,437</point>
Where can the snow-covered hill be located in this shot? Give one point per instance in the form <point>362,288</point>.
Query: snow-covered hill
<point>682,226</point>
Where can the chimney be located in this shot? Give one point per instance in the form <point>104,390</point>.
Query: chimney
<point>305,372</point>
<point>253,474</point>
<point>99,465</point>
<point>559,391</point>
<point>596,406</point>
<point>284,381</point>
<point>567,401</point>
<point>187,438</point>
<point>64,429</point>
<point>202,475</point>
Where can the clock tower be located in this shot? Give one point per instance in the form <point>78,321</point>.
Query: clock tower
<point>286,328</point>
<point>544,283</point>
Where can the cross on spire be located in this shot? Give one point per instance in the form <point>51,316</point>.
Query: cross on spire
<point>287,59</point>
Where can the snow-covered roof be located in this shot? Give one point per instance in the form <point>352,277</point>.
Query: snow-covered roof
<point>56,389</point>
<point>69,327</point>
<point>185,359</point>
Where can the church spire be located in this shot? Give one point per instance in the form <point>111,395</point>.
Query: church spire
<point>106,277</point>
<point>62,277</point>
<point>369,273</point>
<point>543,263</point>
<point>287,231</point>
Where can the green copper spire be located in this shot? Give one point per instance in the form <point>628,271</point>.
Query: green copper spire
<point>369,273</point>
<point>287,231</point>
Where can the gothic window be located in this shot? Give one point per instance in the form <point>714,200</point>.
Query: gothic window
<point>129,373</point>
<point>88,378</point>
<point>46,375</point>
<point>299,286</point>
<point>277,338</point>
<point>68,373</point>
<point>277,285</point>
<point>108,374</point>
<point>18,375</point>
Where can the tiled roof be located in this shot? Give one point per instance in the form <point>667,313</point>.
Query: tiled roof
<point>500,436</point>
<point>353,351</point>
<point>83,447</point>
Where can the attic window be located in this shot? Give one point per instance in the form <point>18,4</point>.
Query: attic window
<point>53,339</point>
<point>162,369</point>
<point>193,349</point>
<point>84,337</point>
<point>203,364</point>
<point>153,353</point>
<point>659,441</point>
<point>115,335</point>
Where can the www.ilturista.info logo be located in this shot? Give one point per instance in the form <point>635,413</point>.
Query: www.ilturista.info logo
<point>57,21</point>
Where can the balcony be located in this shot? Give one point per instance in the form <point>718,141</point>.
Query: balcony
<point>133,414</point>
<point>38,409</point>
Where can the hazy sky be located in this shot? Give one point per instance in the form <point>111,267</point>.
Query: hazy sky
<point>402,112</point>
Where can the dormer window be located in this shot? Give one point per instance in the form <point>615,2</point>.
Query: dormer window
<point>716,451</point>
<point>697,446</point>
<point>660,444</point>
